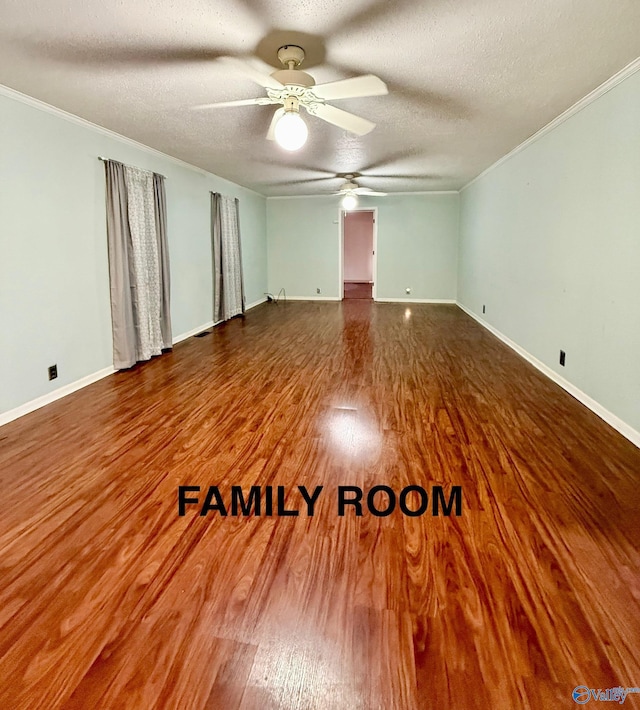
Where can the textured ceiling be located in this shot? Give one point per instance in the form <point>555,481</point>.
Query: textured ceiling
<point>468,79</point>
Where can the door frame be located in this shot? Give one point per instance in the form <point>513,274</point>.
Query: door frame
<point>374,265</point>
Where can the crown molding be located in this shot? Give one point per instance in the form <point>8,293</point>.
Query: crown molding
<point>601,90</point>
<point>408,301</point>
<point>312,298</point>
<point>72,118</point>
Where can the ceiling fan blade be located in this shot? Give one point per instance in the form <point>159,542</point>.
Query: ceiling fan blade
<point>272,126</point>
<point>117,52</point>
<point>396,176</point>
<point>367,85</point>
<point>263,100</point>
<point>260,78</point>
<point>299,182</point>
<point>299,172</point>
<point>368,191</point>
<point>343,119</point>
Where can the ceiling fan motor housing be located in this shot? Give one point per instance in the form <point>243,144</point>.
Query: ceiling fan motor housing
<point>293,77</point>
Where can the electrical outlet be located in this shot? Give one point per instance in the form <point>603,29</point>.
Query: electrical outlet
<point>317,290</point>
<point>407,290</point>
<point>53,372</point>
<point>562,357</point>
<point>484,308</point>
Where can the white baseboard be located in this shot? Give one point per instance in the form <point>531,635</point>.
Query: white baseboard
<point>312,298</point>
<point>194,331</point>
<point>210,324</point>
<point>27,407</point>
<point>256,303</point>
<point>377,300</point>
<point>416,300</point>
<point>609,417</point>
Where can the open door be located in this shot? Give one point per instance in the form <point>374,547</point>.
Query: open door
<point>358,254</point>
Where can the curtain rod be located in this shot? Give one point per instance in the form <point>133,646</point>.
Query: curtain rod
<point>103,159</point>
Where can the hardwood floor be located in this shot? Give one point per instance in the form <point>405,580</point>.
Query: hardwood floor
<point>110,599</point>
<point>360,289</point>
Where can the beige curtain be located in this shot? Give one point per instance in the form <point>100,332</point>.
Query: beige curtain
<point>138,263</point>
<point>228,284</point>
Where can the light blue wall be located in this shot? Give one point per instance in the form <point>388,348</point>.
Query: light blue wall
<point>303,239</point>
<point>54,281</point>
<point>550,243</point>
<point>417,245</point>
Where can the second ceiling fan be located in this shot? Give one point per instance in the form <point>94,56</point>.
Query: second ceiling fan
<point>293,88</point>
<point>350,191</point>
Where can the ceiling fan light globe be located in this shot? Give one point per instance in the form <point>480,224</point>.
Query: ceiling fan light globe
<point>349,202</point>
<point>291,131</point>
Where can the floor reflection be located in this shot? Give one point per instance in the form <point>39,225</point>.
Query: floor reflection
<point>351,428</point>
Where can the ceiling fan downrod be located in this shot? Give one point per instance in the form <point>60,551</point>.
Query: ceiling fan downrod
<point>291,56</point>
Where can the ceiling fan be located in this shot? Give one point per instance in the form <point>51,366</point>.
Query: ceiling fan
<point>350,186</point>
<point>350,189</point>
<point>294,88</point>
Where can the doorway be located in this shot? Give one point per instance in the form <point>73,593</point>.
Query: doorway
<point>358,254</point>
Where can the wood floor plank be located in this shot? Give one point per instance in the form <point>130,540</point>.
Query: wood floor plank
<point>110,599</point>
